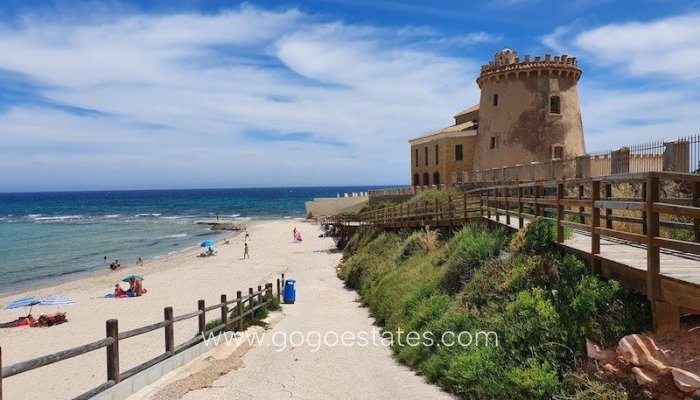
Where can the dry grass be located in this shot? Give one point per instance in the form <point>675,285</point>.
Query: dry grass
<point>430,240</point>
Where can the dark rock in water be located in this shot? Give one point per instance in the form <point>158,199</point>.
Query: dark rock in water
<point>225,226</point>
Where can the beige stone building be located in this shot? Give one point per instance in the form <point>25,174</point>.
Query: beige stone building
<point>528,111</point>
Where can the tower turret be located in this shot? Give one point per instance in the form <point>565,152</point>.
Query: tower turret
<point>529,110</point>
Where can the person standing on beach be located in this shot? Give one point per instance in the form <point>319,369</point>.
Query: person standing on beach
<point>245,251</point>
<point>247,235</point>
<point>294,234</point>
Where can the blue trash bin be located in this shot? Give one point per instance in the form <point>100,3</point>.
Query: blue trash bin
<point>290,291</point>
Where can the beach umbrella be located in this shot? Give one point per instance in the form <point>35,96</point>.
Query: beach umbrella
<point>27,301</point>
<point>56,300</point>
<point>207,243</point>
<point>130,277</point>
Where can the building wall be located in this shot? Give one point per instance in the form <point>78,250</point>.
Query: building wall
<point>521,122</point>
<point>447,164</point>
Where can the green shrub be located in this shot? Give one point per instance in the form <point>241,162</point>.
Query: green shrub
<point>470,249</point>
<point>412,245</point>
<point>537,237</point>
<point>534,380</point>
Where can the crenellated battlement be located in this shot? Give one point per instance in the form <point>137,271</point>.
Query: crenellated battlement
<point>507,64</point>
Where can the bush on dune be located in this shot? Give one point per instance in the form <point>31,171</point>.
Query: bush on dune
<point>542,306</point>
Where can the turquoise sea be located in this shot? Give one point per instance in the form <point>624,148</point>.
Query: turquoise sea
<point>53,236</point>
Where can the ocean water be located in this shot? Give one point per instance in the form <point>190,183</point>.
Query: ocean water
<point>46,237</point>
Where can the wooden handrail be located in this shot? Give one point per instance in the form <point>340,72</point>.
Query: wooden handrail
<point>113,337</point>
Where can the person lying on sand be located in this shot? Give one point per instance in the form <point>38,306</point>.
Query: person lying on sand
<point>118,291</point>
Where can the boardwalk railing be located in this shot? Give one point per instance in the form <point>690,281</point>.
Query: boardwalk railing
<point>657,211</point>
<point>254,300</point>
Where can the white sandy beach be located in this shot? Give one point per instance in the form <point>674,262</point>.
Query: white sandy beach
<point>178,281</point>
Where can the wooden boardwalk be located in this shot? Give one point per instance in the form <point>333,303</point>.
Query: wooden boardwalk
<point>642,229</point>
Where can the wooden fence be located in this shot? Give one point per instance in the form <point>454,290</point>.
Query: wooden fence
<point>254,300</point>
<point>654,211</point>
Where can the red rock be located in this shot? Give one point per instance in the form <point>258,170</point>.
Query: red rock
<point>644,377</point>
<point>686,382</point>
<point>598,352</point>
<point>642,351</point>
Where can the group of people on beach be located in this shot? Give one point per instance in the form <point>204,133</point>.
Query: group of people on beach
<point>116,265</point>
<point>135,289</point>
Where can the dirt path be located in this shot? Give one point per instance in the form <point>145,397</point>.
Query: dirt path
<point>270,370</point>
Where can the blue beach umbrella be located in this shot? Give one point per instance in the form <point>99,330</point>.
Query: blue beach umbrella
<point>23,302</point>
<point>207,243</point>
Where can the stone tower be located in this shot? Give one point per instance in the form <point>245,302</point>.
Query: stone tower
<point>529,110</point>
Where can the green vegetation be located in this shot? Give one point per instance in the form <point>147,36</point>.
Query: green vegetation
<point>261,313</point>
<point>431,195</point>
<point>541,304</point>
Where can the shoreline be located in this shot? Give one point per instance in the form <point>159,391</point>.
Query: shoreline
<point>179,281</point>
<point>226,231</point>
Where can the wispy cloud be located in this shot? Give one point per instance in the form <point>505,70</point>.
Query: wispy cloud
<point>179,94</point>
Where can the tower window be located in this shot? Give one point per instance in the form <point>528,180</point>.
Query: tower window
<point>495,99</point>
<point>558,152</point>
<point>459,152</point>
<point>416,179</point>
<point>426,156</point>
<point>415,153</point>
<point>437,155</point>
<point>554,105</point>
<point>436,178</point>
<point>493,142</point>
<point>426,179</point>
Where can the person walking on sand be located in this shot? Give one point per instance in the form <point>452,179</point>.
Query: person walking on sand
<point>294,234</point>
<point>245,251</point>
<point>139,262</point>
<point>247,235</point>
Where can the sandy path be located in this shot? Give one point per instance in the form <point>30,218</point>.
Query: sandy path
<point>178,281</point>
<point>333,372</point>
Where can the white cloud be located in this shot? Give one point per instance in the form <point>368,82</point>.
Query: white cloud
<point>664,46</point>
<point>181,94</point>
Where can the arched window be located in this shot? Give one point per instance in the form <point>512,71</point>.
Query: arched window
<point>426,179</point>
<point>416,179</point>
<point>436,178</point>
<point>554,105</point>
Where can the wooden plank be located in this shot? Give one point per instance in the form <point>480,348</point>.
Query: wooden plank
<point>94,391</point>
<point>653,256</point>
<point>188,316</point>
<point>576,202</point>
<point>619,205</point>
<point>595,223</point>
<point>632,237</point>
<point>666,317</point>
<point>575,225</point>
<point>677,210</point>
<point>678,245</point>
<point>142,330</point>
<point>169,330</point>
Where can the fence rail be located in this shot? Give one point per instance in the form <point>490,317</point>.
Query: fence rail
<point>255,299</point>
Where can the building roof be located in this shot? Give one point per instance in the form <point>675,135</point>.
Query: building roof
<point>465,129</point>
<point>473,108</point>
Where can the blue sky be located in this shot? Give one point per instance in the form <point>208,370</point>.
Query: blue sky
<point>190,94</point>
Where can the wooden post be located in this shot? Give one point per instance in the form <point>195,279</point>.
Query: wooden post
<point>696,203</point>
<point>464,205</point>
<point>260,295</point>
<point>653,257</point>
<point>283,281</point>
<point>239,306</point>
<point>506,190</point>
<point>436,213</point>
<point>595,223</point>
<point>581,217</point>
<point>169,330</point>
<point>251,303</point>
<point>202,317</point>
<point>279,292</point>
<point>608,211</point>
<point>521,220</point>
<point>560,213</point>
<point>537,204</point>
<point>224,311</point>
<point>488,203</point>
<point>497,203</point>
<point>644,213</point>
<point>113,351</point>
<point>449,211</point>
